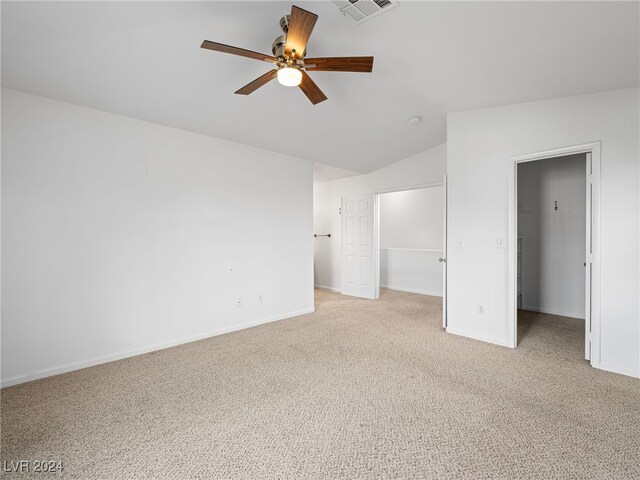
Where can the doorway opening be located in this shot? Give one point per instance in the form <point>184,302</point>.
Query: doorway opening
<point>411,226</point>
<point>396,240</point>
<point>554,234</point>
<point>551,249</point>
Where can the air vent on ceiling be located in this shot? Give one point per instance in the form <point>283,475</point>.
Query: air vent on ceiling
<point>362,10</point>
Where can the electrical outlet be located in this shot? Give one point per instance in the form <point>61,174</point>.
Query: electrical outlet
<point>239,302</point>
<point>260,298</point>
<point>500,242</point>
<point>460,243</point>
<point>480,309</point>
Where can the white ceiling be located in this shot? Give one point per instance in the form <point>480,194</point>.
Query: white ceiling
<point>326,173</point>
<point>143,60</point>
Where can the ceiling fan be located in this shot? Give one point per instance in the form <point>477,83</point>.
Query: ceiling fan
<point>289,51</point>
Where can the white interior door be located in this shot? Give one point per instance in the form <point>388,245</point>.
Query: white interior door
<point>359,268</point>
<point>443,258</point>
<point>588,262</point>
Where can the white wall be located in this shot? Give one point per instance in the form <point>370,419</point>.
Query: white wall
<point>411,223</point>
<point>554,243</point>
<point>479,146</point>
<point>412,218</point>
<point>424,168</point>
<point>121,236</point>
<point>415,271</point>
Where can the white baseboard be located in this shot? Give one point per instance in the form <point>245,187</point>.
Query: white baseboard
<point>411,290</point>
<point>389,287</point>
<point>616,369</point>
<point>35,375</point>
<point>331,289</point>
<point>552,311</point>
<point>496,341</point>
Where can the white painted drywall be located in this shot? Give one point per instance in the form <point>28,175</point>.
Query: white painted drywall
<point>411,223</point>
<point>121,236</point>
<point>553,241</point>
<point>427,167</point>
<point>412,218</point>
<point>326,173</point>
<point>480,144</point>
<point>415,271</point>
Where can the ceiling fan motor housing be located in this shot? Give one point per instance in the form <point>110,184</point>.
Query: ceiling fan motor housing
<point>278,46</point>
<point>279,43</point>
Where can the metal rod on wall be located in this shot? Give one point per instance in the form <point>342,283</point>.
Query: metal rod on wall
<point>316,235</point>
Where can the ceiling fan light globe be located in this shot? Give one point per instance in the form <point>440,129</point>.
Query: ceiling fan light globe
<point>289,76</point>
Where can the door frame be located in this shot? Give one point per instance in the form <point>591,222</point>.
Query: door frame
<point>594,149</point>
<point>443,259</point>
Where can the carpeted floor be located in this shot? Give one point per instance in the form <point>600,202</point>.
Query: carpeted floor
<point>359,389</point>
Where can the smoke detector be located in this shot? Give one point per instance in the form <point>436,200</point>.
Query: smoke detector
<point>361,11</point>
<point>415,121</point>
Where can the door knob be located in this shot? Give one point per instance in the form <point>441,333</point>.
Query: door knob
<point>442,260</point>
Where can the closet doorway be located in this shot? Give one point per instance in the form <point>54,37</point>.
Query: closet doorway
<point>554,254</point>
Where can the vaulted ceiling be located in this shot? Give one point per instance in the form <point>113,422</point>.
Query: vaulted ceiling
<point>143,60</point>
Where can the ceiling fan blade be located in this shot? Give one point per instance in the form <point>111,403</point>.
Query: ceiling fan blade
<point>301,25</point>
<point>311,90</point>
<point>339,64</point>
<point>221,47</point>
<point>258,82</point>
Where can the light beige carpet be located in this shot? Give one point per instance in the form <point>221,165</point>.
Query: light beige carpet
<point>360,389</point>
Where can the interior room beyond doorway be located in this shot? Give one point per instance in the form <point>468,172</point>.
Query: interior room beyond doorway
<point>552,243</point>
<point>411,240</point>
